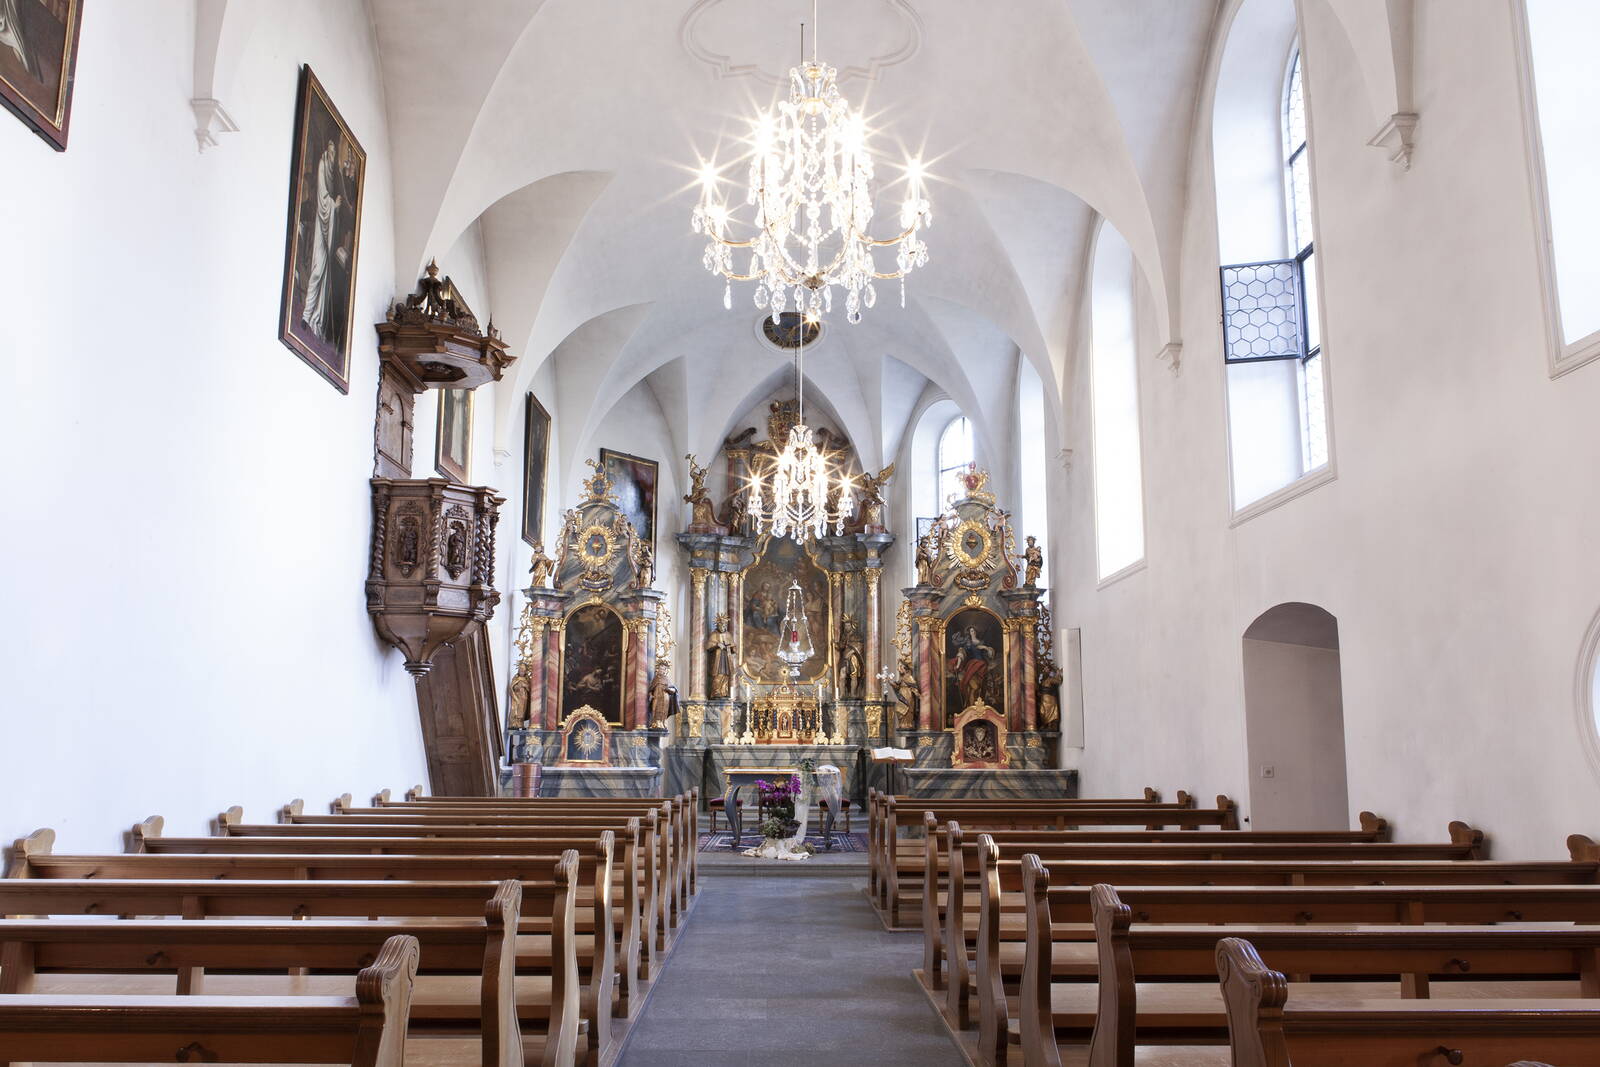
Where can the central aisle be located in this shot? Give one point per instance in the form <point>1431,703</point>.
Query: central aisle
<point>790,967</point>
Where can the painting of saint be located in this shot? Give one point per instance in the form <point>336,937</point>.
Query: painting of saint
<point>452,456</point>
<point>765,587</point>
<point>633,483</point>
<point>974,662</point>
<point>38,58</point>
<point>591,669</point>
<point>535,452</point>
<point>319,273</point>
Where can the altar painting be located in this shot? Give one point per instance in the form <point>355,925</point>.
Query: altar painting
<point>974,661</point>
<point>765,587</point>
<point>591,670</point>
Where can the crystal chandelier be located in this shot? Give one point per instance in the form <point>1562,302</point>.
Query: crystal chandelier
<point>810,184</point>
<point>804,497</point>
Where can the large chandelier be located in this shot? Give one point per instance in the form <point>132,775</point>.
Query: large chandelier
<point>810,184</point>
<point>805,497</point>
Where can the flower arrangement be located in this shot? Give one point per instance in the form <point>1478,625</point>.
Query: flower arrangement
<point>778,799</point>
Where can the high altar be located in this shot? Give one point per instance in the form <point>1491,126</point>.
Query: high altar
<point>970,690</point>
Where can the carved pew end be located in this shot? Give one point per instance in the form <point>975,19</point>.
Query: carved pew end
<point>1462,834</point>
<point>1375,824</point>
<point>135,838</point>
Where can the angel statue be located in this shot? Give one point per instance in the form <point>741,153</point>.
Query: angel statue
<point>703,513</point>
<point>872,504</point>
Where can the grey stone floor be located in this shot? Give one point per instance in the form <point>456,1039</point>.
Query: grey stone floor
<point>788,968</point>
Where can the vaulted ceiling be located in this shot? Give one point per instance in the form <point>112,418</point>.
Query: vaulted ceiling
<point>568,132</point>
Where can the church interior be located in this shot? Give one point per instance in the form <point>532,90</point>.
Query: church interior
<point>718,532</point>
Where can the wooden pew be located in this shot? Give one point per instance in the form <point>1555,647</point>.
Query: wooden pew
<point>1146,973</point>
<point>1265,1030</point>
<point>366,1030</point>
<point>1001,879</point>
<point>900,863</point>
<point>878,802</point>
<point>639,885</point>
<point>33,858</point>
<point>684,821</point>
<point>75,956</point>
<point>945,850</point>
<point>665,899</point>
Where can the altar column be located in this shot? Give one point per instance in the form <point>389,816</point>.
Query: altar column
<point>697,634</point>
<point>1021,632</point>
<point>639,610</point>
<point>874,664</point>
<point>551,716</point>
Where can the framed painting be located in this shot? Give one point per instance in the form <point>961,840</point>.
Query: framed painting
<point>38,61</point>
<point>633,482</point>
<point>766,590</point>
<point>326,179</point>
<point>452,441</point>
<point>535,458</point>
<point>974,662</point>
<point>591,668</point>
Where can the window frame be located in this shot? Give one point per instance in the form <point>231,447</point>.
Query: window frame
<point>1327,471</point>
<point>939,467</point>
<point>1562,356</point>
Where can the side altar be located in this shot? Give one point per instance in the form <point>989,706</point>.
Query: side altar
<point>976,683</point>
<point>591,689</point>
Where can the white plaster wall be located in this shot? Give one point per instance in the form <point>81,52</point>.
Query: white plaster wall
<point>1296,731</point>
<point>189,518</point>
<point>1454,545</point>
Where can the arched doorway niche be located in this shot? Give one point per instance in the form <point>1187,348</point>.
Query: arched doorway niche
<point>1294,720</point>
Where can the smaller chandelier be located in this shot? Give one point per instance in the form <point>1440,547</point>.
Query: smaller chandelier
<point>810,183</point>
<point>805,498</point>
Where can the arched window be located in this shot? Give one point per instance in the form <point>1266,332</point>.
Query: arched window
<point>1302,244</point>
<point>1564,149</point>
<point>1114,407</point>
<point>955,455</point>
<point>1272,328</point>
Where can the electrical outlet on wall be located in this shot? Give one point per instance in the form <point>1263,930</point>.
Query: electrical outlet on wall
<point>1268,771</point>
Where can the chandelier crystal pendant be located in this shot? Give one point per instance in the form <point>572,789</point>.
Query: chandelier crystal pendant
<point>805,497</point>
<point>810,185</point>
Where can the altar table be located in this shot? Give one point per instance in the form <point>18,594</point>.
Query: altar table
<point>735,777</point>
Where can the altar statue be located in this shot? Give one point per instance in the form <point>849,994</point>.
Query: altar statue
<point>702,511</point>
<point>541,568</point>
<point>520,692</point>
<point>720,648</point>
<point>644,564</point>
<point>663,696</point>
<point>1033,557</point>
<point>927,555</point>
<point>872,503</point>
<point>852,662</point>
<point>907,693</point>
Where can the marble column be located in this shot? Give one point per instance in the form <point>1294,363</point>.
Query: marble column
<point>697,634</point>
<point>1030,698</point>
<point>552,675</point>
<point>874,636</point>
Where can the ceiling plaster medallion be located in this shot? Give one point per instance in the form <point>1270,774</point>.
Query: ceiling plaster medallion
<point>892,27</point>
